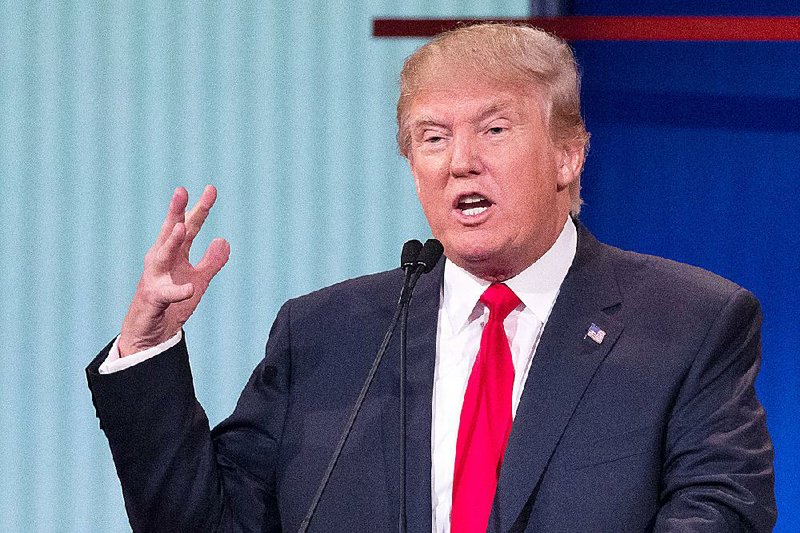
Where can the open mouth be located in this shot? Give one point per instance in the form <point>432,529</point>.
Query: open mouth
<point>473,204</point>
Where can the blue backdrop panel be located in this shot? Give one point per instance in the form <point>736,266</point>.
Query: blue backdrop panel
<point>687,7</point>
<point>696,156</point>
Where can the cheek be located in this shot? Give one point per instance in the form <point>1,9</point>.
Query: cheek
<point>541,182</point>
<point>431,203</point>
<point>428,177</point>
<point>425,191</point>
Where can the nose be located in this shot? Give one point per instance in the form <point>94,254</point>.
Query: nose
<point>465,158</point>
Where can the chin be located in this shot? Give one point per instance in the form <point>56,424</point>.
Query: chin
<point>483,261</point>
<point>492,261</point>
<point>469,250</point>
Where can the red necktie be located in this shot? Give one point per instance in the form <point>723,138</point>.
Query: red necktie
<point>485,418</point>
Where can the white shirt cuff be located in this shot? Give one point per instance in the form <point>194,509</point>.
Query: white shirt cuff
<point>115,363</point>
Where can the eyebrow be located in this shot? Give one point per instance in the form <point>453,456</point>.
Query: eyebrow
<point>425,120</point>
<point>483,112</point>
<point>492,109</point>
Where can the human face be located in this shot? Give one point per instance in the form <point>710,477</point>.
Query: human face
<point>492,183</point>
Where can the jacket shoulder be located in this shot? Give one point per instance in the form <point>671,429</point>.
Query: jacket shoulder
<point>370,290</point>
<point>327,312</point>
<point>664,283</point>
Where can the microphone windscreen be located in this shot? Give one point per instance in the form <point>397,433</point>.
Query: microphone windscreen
<point>430,254</point>
<point>408,257</point>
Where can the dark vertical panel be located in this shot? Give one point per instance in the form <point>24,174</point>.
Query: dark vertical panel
<point>695,157</point>
<point>687,7</point>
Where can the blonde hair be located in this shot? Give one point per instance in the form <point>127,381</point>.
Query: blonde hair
<point>504,54</point>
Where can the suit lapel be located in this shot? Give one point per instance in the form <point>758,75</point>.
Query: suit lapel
<point>421,356</point>
<point>564,364</point>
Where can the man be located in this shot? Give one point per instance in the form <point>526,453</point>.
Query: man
<point>555,383</point>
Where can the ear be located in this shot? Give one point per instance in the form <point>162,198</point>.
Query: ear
<point>572,157</point>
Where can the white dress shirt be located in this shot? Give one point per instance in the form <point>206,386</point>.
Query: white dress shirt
<point>458,335</point>
<point>115,363</point>
<point>460,324</point>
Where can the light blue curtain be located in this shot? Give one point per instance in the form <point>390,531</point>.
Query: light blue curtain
<point>105,107</point>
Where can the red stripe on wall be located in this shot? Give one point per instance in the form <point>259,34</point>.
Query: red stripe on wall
<point>620,28</point>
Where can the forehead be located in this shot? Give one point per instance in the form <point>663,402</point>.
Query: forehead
<point>473,100</point>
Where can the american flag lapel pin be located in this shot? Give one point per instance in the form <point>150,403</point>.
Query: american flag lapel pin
<point>595,333</point>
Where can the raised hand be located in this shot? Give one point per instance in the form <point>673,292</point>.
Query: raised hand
<point>171,287</point>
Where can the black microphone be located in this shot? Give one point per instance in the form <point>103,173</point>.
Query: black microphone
<point>408,257</point>
<point>408,262</point>
<point>430,254</point>
<point>412,252</point>
<point>428,257</point>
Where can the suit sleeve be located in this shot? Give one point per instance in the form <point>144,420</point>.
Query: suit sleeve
<point>718,473</point>
<point>176,474</point>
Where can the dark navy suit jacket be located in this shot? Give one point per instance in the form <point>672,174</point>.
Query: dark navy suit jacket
<point>655,428</point>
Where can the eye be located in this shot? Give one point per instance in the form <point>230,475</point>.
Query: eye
<point>432,137</point>
<point>496,130</point>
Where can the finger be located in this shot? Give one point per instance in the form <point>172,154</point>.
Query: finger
<point>197,216</point>
<point>175,214</point>
<point>169,251</point>
<point>170,294</point>
<point>215,258</point>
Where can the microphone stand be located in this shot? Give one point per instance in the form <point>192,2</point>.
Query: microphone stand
<point>401,526</point>
<point>426,259</point>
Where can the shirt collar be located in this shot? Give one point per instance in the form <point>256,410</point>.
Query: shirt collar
<point>537,286</point>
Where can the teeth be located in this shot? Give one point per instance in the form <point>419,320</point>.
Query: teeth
<point>472,198</point>
<point>472,211</point>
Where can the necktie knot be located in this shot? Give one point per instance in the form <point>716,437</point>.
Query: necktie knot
<point>500,300</point>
